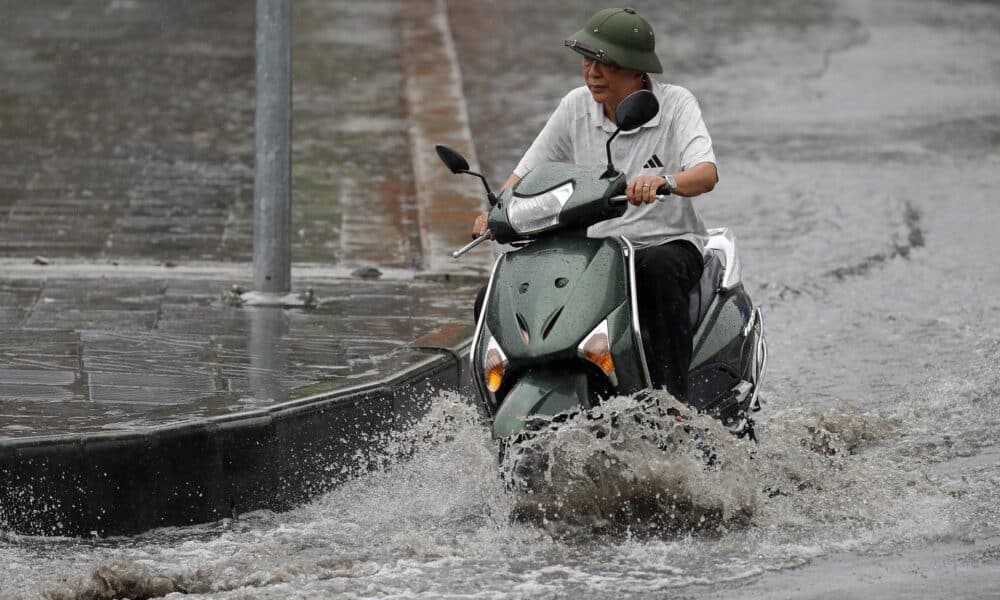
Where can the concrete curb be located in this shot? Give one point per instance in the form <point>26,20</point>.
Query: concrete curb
<point>200,471</point>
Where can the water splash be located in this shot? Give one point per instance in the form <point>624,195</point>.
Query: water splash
<point>123,579</point>
<point>650,465</point>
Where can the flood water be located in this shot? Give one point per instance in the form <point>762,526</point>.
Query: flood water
<point>829,489</point>
<point>859,149</point>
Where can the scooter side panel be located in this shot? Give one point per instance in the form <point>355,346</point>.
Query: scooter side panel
<point>547,296</point>
<point>719,338</point>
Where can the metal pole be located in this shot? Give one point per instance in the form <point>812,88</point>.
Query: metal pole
<point>272,215</point>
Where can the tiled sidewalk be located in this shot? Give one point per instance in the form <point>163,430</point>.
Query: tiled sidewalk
<point>126,142</point>
<point>97,355</point>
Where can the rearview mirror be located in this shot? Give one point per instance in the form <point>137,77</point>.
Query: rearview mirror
<point>455,162</point>
<point>637,109</point>
<point>634,111</point>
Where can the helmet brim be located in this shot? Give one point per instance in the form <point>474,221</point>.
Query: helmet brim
<point>587,45</point>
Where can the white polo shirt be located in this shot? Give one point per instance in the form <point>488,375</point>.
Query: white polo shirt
<point>675,139</point>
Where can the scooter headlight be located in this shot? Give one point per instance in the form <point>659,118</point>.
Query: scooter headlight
<point>495,366</point>
<point>532,214</point>
<point>596,348</point>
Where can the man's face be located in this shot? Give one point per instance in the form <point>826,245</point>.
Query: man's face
<point>609,83</point>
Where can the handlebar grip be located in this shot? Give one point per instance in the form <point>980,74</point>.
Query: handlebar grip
<point>620,200</point>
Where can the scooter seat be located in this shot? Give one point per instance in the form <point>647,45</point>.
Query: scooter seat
<point>704,291</point>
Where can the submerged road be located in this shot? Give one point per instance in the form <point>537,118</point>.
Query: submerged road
<point>859,151</point>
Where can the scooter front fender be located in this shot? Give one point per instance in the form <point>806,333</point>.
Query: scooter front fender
<point>544,393</point>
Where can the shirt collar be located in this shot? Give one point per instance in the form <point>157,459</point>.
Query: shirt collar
<point>597,111</point>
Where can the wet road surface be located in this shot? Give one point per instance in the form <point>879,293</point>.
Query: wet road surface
<point>126,132</point>
<point>858,149</point>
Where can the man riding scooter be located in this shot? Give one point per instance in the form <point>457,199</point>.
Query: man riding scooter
<point>670,154</point>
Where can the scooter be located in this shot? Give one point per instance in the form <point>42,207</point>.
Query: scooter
<point>559,329</point>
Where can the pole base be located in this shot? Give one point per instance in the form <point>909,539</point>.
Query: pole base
<point>236,296</point>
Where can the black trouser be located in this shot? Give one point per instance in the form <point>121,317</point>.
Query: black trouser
<point>664,276</point>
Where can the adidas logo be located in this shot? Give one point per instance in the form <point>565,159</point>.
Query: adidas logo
<point>653,163</point>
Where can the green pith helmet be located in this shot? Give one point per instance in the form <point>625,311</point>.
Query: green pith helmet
<point>618,35</point>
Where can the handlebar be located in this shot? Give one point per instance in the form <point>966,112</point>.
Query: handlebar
<point>661,195</point>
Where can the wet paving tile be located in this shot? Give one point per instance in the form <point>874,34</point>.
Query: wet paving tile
<point>138,396</point>
<point>34,393</point>
<point>185,383</point>
<point>61,316</point>
<point>144,352</point>
<point>201,320</point>
<point>130,295</point>
<point>37,377</point>
<point>41,348</point>
<point>11,317</point>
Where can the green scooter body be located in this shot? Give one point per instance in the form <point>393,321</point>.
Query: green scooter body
<point>543,301</point>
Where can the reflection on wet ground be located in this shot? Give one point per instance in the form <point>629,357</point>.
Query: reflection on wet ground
<point>82,355</point>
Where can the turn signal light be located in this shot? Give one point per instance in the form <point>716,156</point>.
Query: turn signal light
<point>596,348</point>
<point>495,366</point>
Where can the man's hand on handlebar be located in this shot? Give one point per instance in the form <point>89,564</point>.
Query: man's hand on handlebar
<point>642,189</point>
<point>481,225</point>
